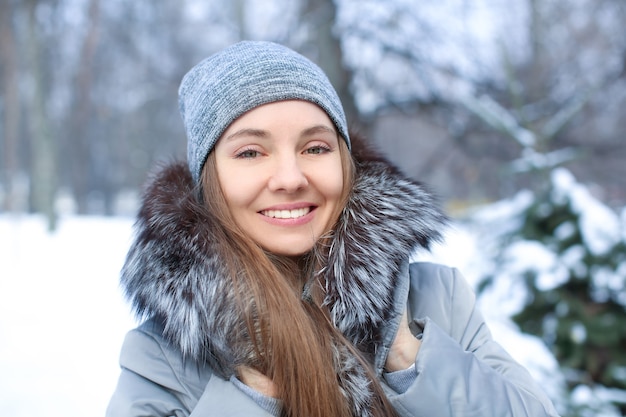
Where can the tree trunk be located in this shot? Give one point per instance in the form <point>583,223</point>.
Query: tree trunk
<point>44,159</point>
<point>330,57</point>
<point>82,110</point>
<point>9,59</point>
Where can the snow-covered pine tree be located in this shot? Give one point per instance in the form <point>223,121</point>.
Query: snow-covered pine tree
<point>569,252</point>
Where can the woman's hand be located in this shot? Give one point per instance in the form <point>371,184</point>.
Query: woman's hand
<point>404,348</point>
<point>257,381</point>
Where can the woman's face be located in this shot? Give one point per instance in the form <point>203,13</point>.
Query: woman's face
<point>279,167</point>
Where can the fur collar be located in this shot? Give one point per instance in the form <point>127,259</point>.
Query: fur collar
<point>172,270</point>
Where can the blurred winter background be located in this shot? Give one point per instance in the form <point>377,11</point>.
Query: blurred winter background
<point>512,111</point>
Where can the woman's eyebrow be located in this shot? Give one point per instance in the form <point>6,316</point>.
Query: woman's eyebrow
<point>259,133</point>
<point>318,129</point>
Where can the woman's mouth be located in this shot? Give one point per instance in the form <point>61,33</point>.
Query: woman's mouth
<point>287,214</point>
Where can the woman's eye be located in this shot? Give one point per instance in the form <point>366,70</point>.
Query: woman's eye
<point>316,150</point>
<point>248,154</point>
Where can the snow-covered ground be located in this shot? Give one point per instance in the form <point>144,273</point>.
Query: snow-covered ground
<point>63,316</point>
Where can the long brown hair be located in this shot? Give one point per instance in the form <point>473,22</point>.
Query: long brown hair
<point>292,338</point>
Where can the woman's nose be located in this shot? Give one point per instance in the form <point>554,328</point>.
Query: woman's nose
<point>287,175</point>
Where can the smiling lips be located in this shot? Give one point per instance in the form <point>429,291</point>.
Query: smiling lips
<point>287,214</point>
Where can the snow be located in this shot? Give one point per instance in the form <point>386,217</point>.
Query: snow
<point>533,256</point>
<point>513,259</point>
<point>63,317</point>
<point>599,226</point>
<point>500,118</point>
<point>438,49</point>
<point>594,400</point>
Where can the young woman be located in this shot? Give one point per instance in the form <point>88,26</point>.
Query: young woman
<point>272,269</point>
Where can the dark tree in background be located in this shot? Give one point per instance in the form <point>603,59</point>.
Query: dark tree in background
<point>43,146</point>
<point>10,106</point>
<point>582,318</point>
<point>81,119</point>
<point>574,287</point>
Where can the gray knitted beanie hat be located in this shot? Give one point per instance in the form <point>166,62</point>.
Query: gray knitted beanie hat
<point>241,77</point>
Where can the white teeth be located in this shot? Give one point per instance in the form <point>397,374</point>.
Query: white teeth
<point>287,214</point>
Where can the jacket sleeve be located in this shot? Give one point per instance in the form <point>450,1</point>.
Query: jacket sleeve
<point>156,381</point>
<point>461,370</point>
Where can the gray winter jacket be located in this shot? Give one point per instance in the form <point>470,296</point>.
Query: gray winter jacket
<point>461,370</point>
<point>180,362</point>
